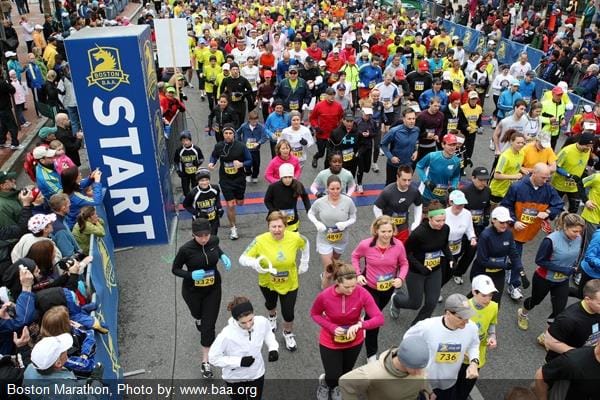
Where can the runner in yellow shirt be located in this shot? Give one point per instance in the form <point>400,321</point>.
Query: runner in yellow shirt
<point>508,168</point>
<point>273,256</point>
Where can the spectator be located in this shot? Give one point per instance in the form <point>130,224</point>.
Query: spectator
<point>19,98</point>
<point>47,179</point>
<point>588,85</point>
<point>40,226</point>
<point>61,235</point>
<point>88,223</point>
<point>38,38</point>
<point>50,52</point>
<point>74,186</point>
<point>50,92</point>
<point>7,121</point>
<point>69,100</point>
<point>72,142</point>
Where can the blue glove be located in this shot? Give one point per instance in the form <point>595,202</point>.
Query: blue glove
<point>226,262</point>
<point>198,274</point>
<point>81,288</point>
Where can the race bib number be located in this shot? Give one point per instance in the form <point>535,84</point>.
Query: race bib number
<point>570,183</point>
<point>294,105</point>
<point>347,155</point>
<point>278,133</point>
<point>432,259</point>
<point>419,85</point>
<point>280,277</point>
<point>208,280</point>
<point>448,353</point>
<point>290,215</point>
<point>477,216</point>
<point>190,169</point>
<point>440,190</point>
<point>334,234</point>
<point>399,218</point>
<point>372,84</point>
<point>251,144</point>
<point>385,282</point>
<point>557,276</point>
<point>236,96</point>
<point>211,213</point>
<point>452,123</point>
<point>229,168</point>
<point>297,151</point>
<point>455,246</point>
<point>342,338</point>
<point>529,215</point>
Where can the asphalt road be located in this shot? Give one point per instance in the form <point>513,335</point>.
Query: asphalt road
<point>158,335</point>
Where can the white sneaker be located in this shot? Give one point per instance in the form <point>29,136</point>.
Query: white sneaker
<point>323,389</point>
<point>492,146</point>
<point>336,393</point>
<point>458,280</point>
<point>248,179</point>
<point>26,124</point>
<point>254,180</point>
<point>515,293</point>
<point>494,123</point>
<point>18,147</point>
<point>273,322</point>
<point>290,341</point>
<point>381,153</point>
<point>359,189</point>
<point>375,167</point>
<point>440,299</point>
<point>394,311</point>
<point>371,358</point>
<point>233,235</point>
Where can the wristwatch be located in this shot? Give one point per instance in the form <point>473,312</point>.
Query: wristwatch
<point>475,360</point>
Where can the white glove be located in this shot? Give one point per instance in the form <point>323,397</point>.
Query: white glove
<point>304,107</point>
<point>303,267</point>
<point>569,106</point>
<point>251,262</point>
<point>415,225</point>
<point>318,80</point>
<point>361,85</point>
<point>320,227</point>
<point>341,225</point>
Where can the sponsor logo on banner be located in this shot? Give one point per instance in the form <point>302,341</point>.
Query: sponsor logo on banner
<point>160,137</point>
<point>150,69</point>
<point>501,53</point>
<point>105,68</point>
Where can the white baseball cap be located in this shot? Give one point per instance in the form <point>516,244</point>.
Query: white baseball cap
<point>544,139</point>
<point>286,170</point>
<point>458,198</point>
<point>501,214</point>
<point>483,284</point>
<point>48,350</point>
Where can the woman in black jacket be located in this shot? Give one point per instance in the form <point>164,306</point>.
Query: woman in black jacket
<point>428,254</point>
<point>201,288</point>
<point>283,196</point>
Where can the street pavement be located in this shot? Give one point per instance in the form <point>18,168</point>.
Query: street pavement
<point>154,316</point>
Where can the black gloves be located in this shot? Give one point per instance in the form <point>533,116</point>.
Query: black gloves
<point>319,195</point>
<point>303,142</point>
<point>247,361</point>
<point>273,355</point>
<point>430,185</point>
<point>525,281</point>
<point>180,174</point>
<point>220,212</point>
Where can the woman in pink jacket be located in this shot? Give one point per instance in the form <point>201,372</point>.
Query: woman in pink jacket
<point>337,309</point>
<point>283,155</point>
<point>385,269</point>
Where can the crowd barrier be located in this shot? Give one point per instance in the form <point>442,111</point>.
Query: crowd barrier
<point>101,280</point>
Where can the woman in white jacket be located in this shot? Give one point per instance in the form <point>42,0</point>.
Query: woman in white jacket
<point>237,350</point>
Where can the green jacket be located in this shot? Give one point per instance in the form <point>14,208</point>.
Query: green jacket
<point>83,236</point>
<point>551,109</point>
<point>10,208</point>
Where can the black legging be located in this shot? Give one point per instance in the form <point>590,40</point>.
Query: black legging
<point>559,294</point>
<point>573,199</point>
<point>363,164</point>
<point>382,298</point>
<point>469,145</point>
<point>465,258</point>
<point>204,305</point>
<point>418,286</point>
<point>376,142</point>
<point>255,169</point>
<point>337,362</point>
<point>321,147</point>
<point>288,302</point>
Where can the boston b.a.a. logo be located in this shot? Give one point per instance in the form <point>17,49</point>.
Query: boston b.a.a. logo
<point>105,68</point>
<point>150,70</point>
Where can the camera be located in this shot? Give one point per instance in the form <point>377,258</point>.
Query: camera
<point>67,262</point>
<point>11,310</point>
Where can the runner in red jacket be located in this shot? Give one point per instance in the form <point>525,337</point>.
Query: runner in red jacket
<point>324,118</point>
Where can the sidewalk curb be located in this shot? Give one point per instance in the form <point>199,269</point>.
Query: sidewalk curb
<point>14,162</point>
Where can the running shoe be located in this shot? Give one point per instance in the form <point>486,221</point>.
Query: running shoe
<point>515,292</point>
<point>290,341</point>
<point>359,189</point>
<point>394,311</point>
<point>522,320</point>
<point>273,322</point>
<point>17,147</point>
<point>458,280</point>
<point>492,146</point>
<point>541,339</point>
<point>375,167</point>
<point>248,179</point>
<point>233,235</point>
<point>336,393</point>
<point>577,278</point>
<point>372,358</point>
<point>440,299</point>
<point>494,123</point>
<point>381,153</point>
<point>26,124</point>
<point>206,370</point>
<point>323,389</point>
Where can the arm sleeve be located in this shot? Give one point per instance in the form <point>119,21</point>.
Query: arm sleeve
<point>25,309</point>
<point>247,158</point>
<point>305,199</point>
<point>384,144</point>
<point>217,357</point>
<point>378,212</point>
<point>418,210</point>
<point>316,313</point>
<point>177,267</point>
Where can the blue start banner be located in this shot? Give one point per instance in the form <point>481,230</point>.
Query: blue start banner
<point>115,81</point>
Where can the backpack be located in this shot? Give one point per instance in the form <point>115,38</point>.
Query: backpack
<point>29,165</point>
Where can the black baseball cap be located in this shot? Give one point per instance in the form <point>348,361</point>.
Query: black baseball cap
<point>481,173</point>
